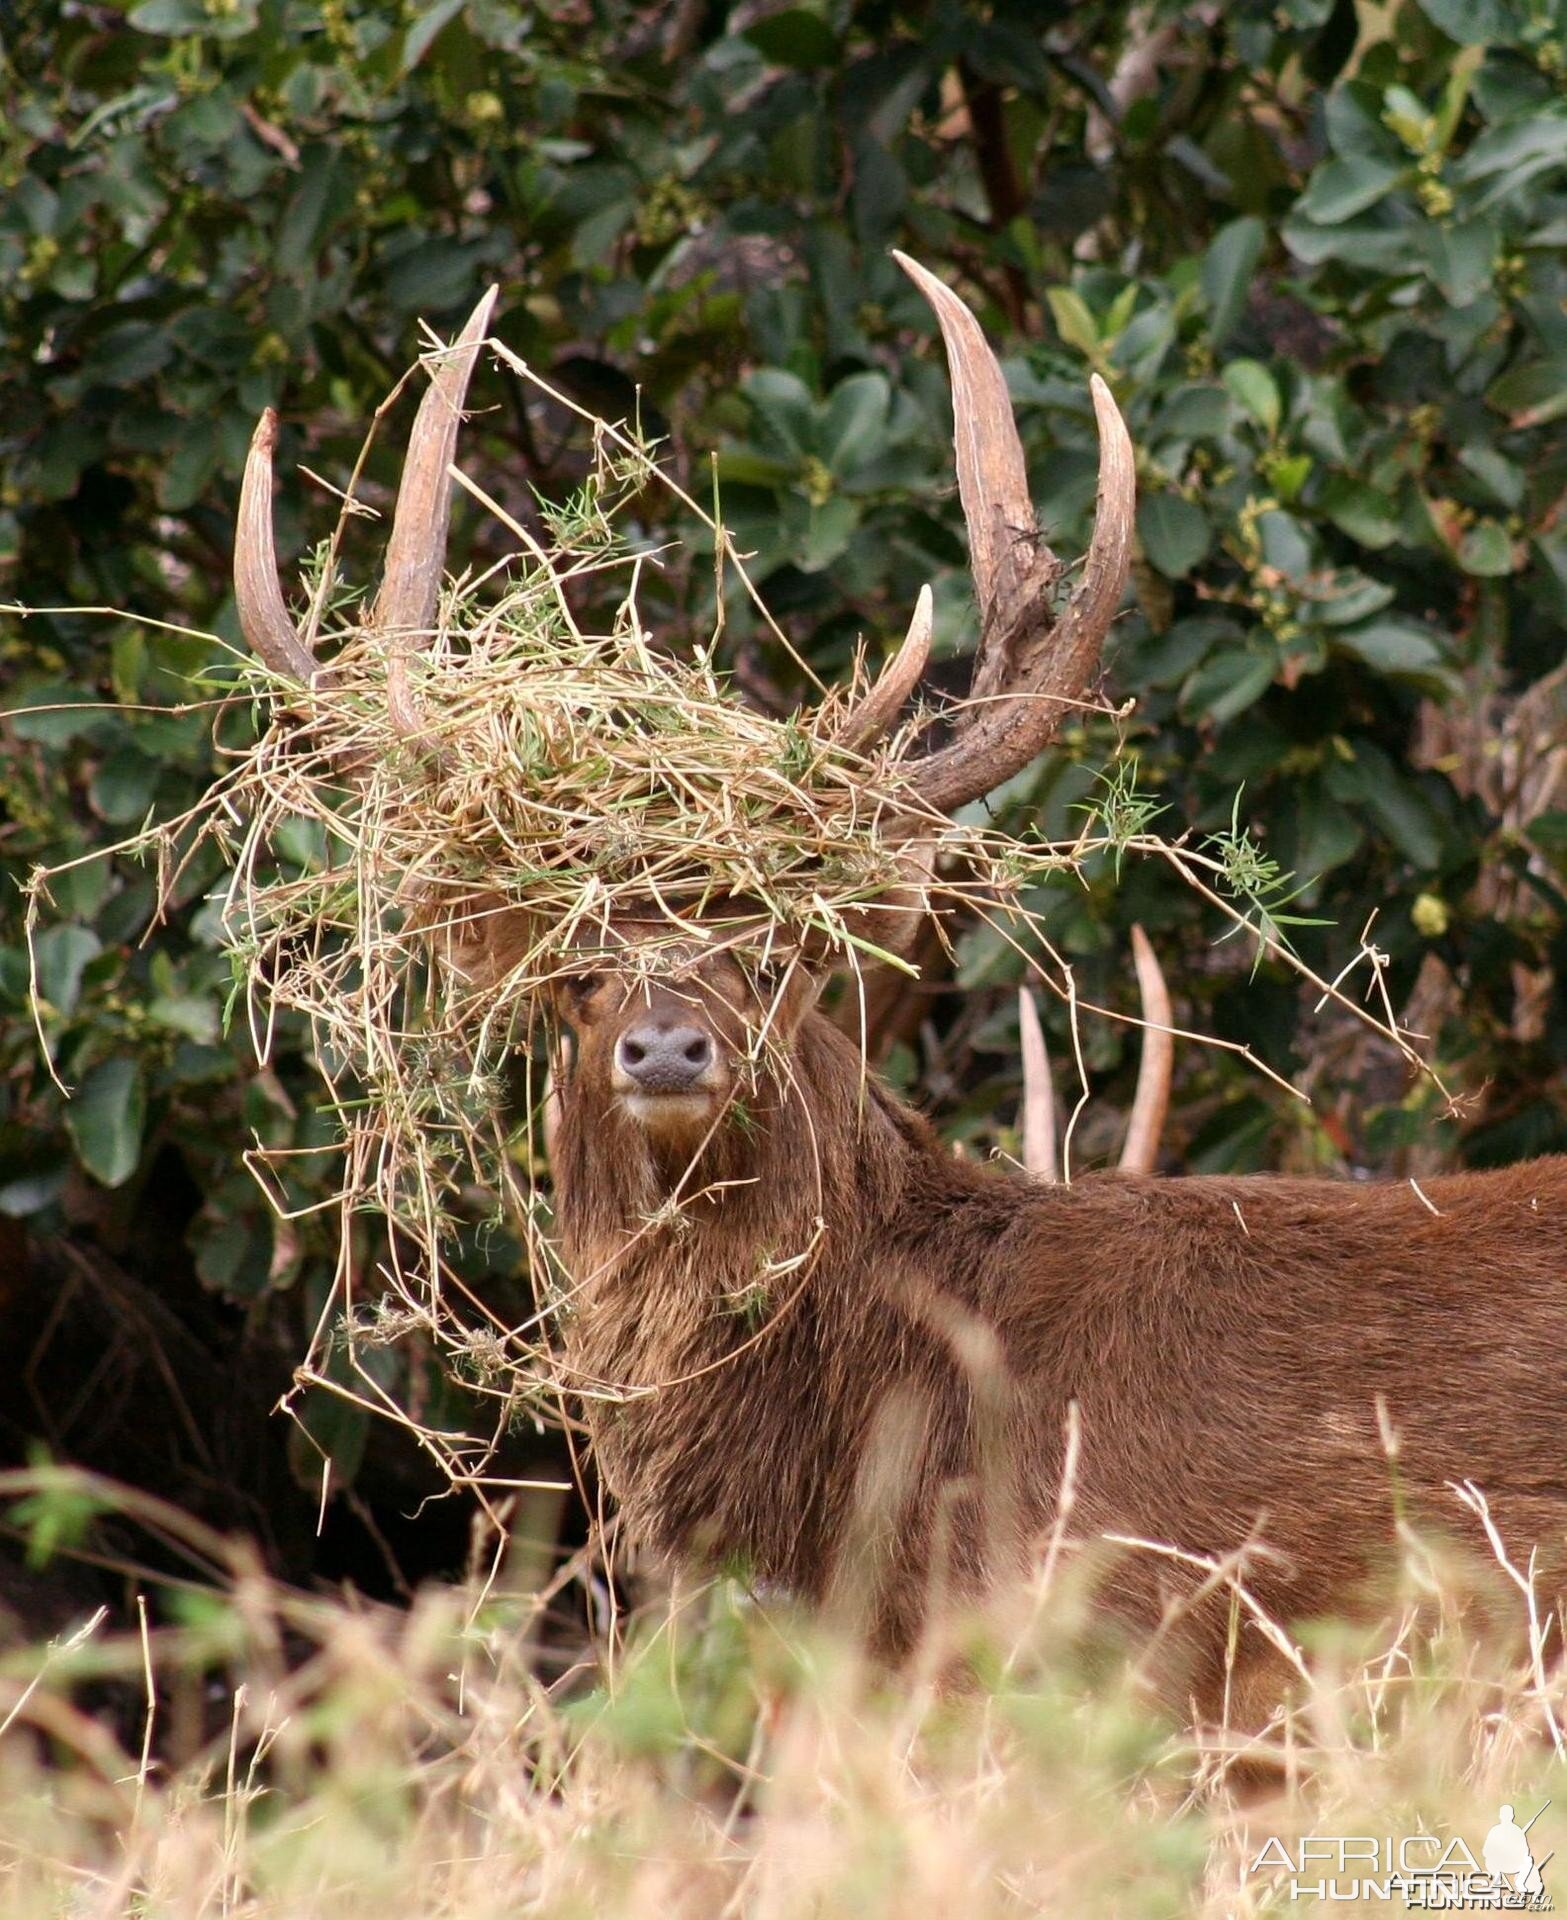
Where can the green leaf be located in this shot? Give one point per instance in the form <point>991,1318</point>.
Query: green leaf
<point>742,467</point>
<point>427,23</point>
<point>1342,188</point>
<point>1175,533</point>
<point>1503,479</point>
<point>1361,511</point>
<point>1372,781</point>
<point>177,18</point>
<point>1119,316</point>
<point>191,469</point>
<point>1287,474</point>
<point>1475,22</point>
<point>1405,817</point>
<point>54,714</point>
<point>232,1257</point>
<point>1227,686</point>
<point>794,38</point>
<point>442,273</point>
<point>1372,245</point>
<point>1514,154</point>
<point>855,423</point>
<point>1193,413</point>
<point>61,953</point>
<point>1074,322</point>
<point>1324,835</point>
<point>307,214</point>
<point>1163,659</point>
<point>1399,648</point>
<point>1534,394</point>
<point>168,17</point>
<point>127,354</point>
<point>1286,544</point>
<point>1455,95</point>
<point>1353,119</point>
<point>326,1423</point>
<point>784,408</point>
<point>186,1013</point>
<point>1463,260</point>
<point>1343,598</point>
<point>1227,270</point>
<point>122,789</point>
<point>1486,550</point>
<point>106,1116</point>
<point>1254,388</point>
<point>826,531</point>
<point>25,1193</point>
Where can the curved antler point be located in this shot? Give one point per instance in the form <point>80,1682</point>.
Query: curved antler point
<point>478,322</point>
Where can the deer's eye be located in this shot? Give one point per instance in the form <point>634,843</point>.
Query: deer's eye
<point>770,976</point>
<point>575,989</point>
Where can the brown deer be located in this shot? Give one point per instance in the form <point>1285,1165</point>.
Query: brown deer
<point>852,1361</point>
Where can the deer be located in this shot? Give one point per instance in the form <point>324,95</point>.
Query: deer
<point>878,1377</point>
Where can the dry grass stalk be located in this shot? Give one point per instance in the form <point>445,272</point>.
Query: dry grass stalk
<point>451,1760</point>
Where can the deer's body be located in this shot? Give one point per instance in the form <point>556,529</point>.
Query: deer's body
<point>837,1352</point>
<point>894,1419</point>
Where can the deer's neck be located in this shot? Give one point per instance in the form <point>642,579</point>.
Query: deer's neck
<point>736,1350</point>
<point>794,1181</point>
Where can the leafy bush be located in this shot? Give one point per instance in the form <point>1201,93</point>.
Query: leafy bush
<point>1317,251</point>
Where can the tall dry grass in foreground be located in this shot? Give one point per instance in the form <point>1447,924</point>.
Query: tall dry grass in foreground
<point>280,1757</point>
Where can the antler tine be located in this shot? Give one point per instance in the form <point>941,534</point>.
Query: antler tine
<point>1029,667</point>
<point>263,613</point>
<point>896,681</point>
<point>1151,1101</point>
<point>416,552</point>
<point>1039,1099</point>
<point>1011,564</point>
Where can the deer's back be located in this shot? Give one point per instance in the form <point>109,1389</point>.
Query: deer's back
<point>1246,1354</point>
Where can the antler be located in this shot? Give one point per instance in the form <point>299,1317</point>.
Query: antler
<point>1029,667</point>
<point>1151,1101</point>
<point>897,680</point>
<point>415,552</point>
<point>1039,1094</point>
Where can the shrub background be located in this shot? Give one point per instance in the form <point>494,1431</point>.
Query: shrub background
<point>1319,249</point>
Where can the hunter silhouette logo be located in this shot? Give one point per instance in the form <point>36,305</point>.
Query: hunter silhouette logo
<point>1428,1873</point>
<point>1508,1859</point>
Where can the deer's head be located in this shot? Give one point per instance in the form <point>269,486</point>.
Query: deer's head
<point>669,1049</point>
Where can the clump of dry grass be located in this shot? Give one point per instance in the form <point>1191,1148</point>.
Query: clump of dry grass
<point>477,817</point>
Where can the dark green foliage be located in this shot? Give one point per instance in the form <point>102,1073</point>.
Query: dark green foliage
<point>1324,272</point>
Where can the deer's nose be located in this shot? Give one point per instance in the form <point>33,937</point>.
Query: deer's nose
<point>659,1059</point>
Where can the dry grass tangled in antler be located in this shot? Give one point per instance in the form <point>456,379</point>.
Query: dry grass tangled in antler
<point>423,840</point>
<point>430,837</point>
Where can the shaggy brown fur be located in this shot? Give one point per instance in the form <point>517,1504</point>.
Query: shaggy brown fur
<point>890,1419</point>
